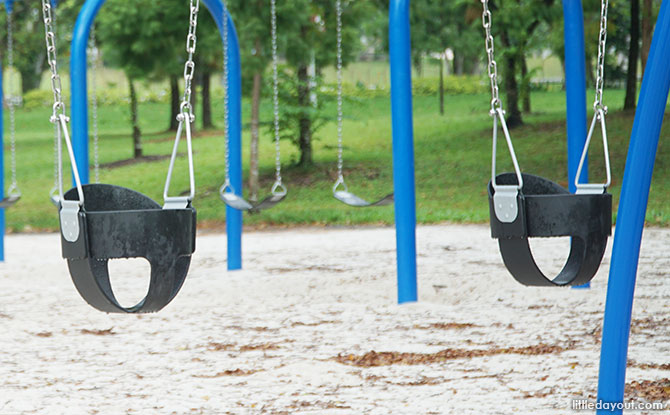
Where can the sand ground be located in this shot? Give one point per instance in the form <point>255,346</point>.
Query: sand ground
<point>292,333</point>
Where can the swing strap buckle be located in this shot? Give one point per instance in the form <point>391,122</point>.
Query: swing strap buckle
<point>505,202</point>
<point>69,219</point>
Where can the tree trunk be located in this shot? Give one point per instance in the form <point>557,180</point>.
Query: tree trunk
<point>31,78</point>
<point>305,122</point>
<point>174,102</point>
<point>137,134</point>
<point>514,118</point>
<point>647,31</point>
<point>442,62</point>
<point>525,85</point>
<point>633,54</point>
<point>206,101</point>
<point>255,126</point>
<point>590,77</point>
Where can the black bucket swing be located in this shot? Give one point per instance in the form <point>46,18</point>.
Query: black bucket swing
<point>340,189</point>
<point>278,192</point>
<point>13,192</point>
<point>523,206</point>
<point>100,222</point>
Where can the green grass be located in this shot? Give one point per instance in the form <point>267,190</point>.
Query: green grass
<point>452,155</point>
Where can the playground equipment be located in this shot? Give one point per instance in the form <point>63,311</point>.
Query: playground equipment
<point>13,192</point>
<point>524,206</point>
<point>401,107</point>
<point>631,215</point>
<point>278,191</point>
<point>101,222</point>
<point>340,189</point>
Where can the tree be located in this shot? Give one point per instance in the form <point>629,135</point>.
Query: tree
<point>308,27</point>
<point>141,37</point>
<point>29,50</point>
<point>514,23</point>
<point>633,54</point>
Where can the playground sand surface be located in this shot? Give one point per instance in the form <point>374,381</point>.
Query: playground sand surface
<point>293,332</point>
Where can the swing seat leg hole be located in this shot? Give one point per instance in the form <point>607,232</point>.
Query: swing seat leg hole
<point>129,279</point>
<point>551,254</point>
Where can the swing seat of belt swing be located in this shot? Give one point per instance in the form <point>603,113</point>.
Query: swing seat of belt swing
<point>115,222</point>
<point>9,201</point>
<point>351,199</point>
<point>546,209</point>
<point>239,203</point>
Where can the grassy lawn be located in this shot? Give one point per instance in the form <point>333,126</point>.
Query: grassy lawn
<point>452,161</point>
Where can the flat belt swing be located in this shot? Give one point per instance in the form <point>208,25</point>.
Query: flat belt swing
<point>278,191</point>
<point>100,222</point>
<point>340,190</point>
<point>523,206</point>
<point>13,192</point>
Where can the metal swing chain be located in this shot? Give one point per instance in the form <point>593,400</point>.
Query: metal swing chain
<point>278,187</point>
<point>189,67</point>
<point>58,116</point>
<point>340,148</point>
<point>93,63</point>
<point>13,187</point>
<point>185,117</point>
<point>600,113</point>
<point>602,45</point>
<point>226,116</point>
<point>492,67</point>
<point>496,110</point>
<point>57,136</point>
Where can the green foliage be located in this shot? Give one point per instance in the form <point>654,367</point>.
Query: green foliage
<point>291,111</point>
<point>144,37</point>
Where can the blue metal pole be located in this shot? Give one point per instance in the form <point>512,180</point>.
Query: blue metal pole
<point>575,90</point>
<point>403,148</point>
<point>78,69</point>
<point>631,215</point>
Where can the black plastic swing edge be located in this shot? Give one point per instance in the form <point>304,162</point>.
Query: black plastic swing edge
<point>166,238</point>
<point>548,210</point>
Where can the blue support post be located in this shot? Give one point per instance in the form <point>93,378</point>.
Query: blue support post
<point>403,148</point>
<point>78,69</point>
<point>575,91</point>
<point>630,219</point>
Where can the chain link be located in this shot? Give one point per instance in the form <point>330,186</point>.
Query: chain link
<point>58,108</point>
<point>602,52</point>
<point>226,115</point>
<point>186,110</point>
<point>13,188</point>
<point>93,57</point>
<point>275,92</point>
<point>340,148</point>
<point>492,68</point>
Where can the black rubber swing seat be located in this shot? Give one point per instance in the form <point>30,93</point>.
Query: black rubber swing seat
<point>116,222</point>
<point>546,209</point>
<point>239,203</point>
<point>352,200</point>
